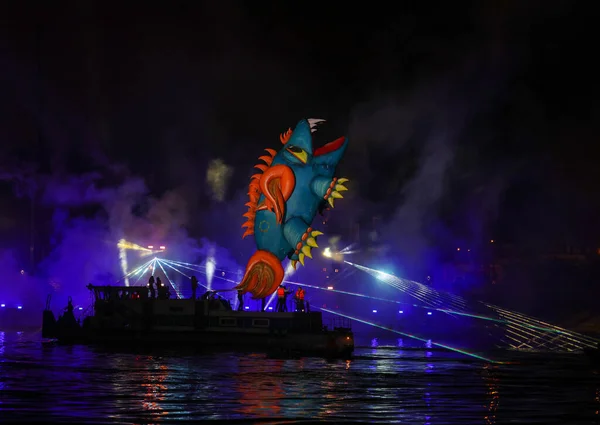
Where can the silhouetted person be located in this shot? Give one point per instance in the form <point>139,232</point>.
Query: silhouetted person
<point>194,287</point>
<point>299,299</point>
<point>280,298</point>
<point>240,296</point>
<point>69,317</point>
<point>163,292</point>
<point>151,287</point>
<point>70,307</point>
<point>282,294</point>
<point>286,292</point>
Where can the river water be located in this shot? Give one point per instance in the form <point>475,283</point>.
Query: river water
<point>79,384</point>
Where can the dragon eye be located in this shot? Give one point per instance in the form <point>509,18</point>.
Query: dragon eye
<point>294,149</point>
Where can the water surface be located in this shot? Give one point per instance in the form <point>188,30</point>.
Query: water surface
<point>82,384</point>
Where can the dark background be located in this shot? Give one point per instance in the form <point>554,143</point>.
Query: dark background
<point>468,121</point>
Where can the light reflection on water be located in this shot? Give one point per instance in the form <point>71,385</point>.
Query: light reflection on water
<point>382,384</point>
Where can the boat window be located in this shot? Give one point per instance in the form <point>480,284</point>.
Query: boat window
<point>227,321</point>
<point>260,323</point>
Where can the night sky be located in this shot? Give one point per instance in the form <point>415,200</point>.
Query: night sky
<point>467,121</point>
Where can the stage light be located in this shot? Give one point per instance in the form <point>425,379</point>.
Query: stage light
<point>374,311</point>
<point>400,311</point>
<point>246,308</point>
<point>80,308</point>
<point>270,308</point>
<point>330,287</point>
<point>458,249</point>
<point>150,246</point>
<point>327,252</point>
<point>2,305</point>
<point>162,247</point>
<point>429,313</point>
<point>20,307</point>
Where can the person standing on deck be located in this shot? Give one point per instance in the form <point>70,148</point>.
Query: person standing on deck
<point>151,287</point>
<point>286,292</point>
<point>280,298</point>
<point>299,299</point>
<point>194,287</point>
<point>240,296</point>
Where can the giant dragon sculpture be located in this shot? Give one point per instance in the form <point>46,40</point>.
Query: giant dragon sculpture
<point>295,183</point>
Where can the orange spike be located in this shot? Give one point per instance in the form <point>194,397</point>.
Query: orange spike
<point>249,204</point>
<point>249,215</point>
<point>248,232</point>
<point>267,159</point>
<point>285,137</point>
<point>255,177</point>
<point>248,224</point>
<point>261,167</point>
<point>271,152</point>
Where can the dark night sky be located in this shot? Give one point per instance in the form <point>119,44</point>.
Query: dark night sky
<point>467,120</point>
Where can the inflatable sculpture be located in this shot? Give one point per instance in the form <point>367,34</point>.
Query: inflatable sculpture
<point>295,183</point>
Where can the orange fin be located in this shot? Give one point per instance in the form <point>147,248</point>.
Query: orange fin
<point>267,159</point>
<point>264,274</point>
<point>277,184</point>
<point>285,137</point>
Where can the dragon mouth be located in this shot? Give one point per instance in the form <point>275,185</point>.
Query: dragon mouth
<point>329,147</point>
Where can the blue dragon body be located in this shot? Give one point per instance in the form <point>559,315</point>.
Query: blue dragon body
<point>294,184</point>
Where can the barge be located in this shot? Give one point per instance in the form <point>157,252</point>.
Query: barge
<point>126,315</point>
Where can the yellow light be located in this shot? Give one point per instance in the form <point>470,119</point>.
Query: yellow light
<point>123,244</point>
<point>330,287</point>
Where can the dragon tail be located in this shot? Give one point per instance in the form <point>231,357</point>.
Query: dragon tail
<point>264,274</point>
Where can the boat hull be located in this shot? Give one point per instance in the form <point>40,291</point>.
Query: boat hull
<point>194,324</point>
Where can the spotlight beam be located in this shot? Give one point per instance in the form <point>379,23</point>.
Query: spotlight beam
<point>517,325</point>
<point>447,347</point>
<point>123,244</point>
<point>532,330</point>
<point>198,269</point>
<point>141,273</point>
<point>137,269</point>
<point>166,263</point>
<point>168,278</point>
<point>531,326</point>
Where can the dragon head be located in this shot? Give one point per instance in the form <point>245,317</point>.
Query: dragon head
<point>298,149</point>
